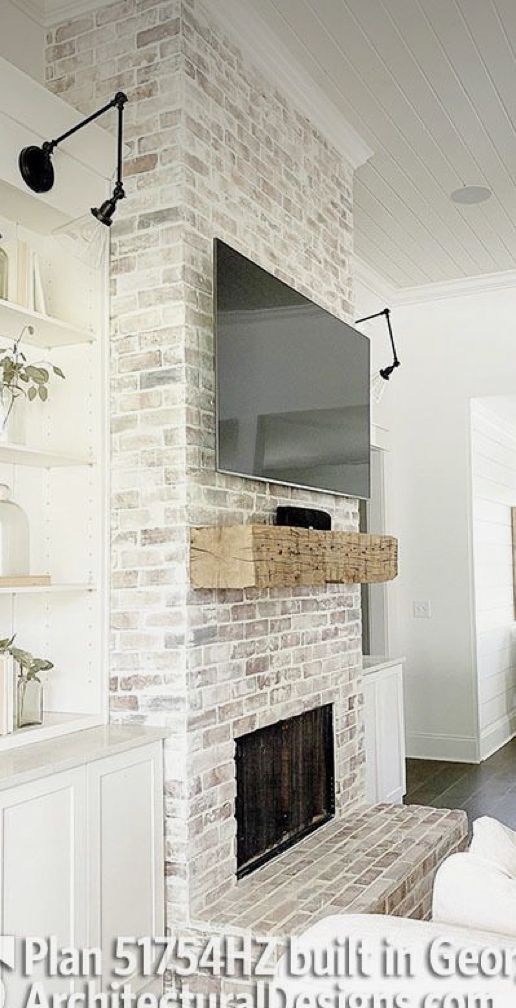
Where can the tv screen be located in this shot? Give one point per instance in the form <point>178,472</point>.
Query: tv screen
<point>293,397</point>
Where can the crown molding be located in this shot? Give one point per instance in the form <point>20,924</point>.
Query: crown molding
<point>456,288</point>
<point>49,12</point>
<point>397,297</point>
<point>373,281</point>
<point>33,8</point>
<point>253,35</point>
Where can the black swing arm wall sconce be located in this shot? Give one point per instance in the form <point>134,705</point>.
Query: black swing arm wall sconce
<point>387,371</point>
<point>37,170</point>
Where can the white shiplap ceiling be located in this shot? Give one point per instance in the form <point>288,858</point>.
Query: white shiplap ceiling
<point>431,87</point>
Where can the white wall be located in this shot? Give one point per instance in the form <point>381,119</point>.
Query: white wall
<point>22,40</point>
<point>493,454</point>
<point>373,295</point>
<point>452,349</point>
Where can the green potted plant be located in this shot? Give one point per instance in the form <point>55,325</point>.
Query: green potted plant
<point>20,380</point>
<point>29,694</point>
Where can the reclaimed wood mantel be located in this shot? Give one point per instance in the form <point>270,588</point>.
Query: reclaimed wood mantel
<point>276,556</point>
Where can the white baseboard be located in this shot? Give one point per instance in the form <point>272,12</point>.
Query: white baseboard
<point>452,748</point>
<point>497,735</point>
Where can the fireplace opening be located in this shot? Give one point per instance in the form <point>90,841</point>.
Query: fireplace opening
<point>285,785</point>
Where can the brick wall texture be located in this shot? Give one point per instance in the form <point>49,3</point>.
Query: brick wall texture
<point>213,150</point>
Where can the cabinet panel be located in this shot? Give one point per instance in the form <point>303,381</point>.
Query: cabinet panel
<point>390,736</point>
<point>44,869</point>
<point>384,735</point>
<point>82,861</point>
<point>125,798</point>
<point>371,784</point>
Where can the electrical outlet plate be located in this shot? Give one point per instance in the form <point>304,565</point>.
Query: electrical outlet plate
<point>422,610</point>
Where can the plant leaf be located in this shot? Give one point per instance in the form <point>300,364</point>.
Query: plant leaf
<point>23,657</point>
<point>43,393</point>
<point>32,393</point>
<point>57,371</point>
<point>38,374</point>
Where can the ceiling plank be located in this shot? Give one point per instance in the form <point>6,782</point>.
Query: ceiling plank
<point>417,241</point>
<point>370,252</point>
<point>411,166</point>
<point>495,228</point>
<point>380,235</point>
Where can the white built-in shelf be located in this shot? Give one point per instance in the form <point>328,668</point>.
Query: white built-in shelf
<point>58,475</point>
<point>54,725</point>
<point>17,454</point>
<point>48,331</point>
<point>50,589</point>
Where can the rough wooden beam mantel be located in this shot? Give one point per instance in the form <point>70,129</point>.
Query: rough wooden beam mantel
<point>275,556</point>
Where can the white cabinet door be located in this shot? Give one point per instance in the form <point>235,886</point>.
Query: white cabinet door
<point>390,735</point>
<point>125,800</point>
<point>43,882</point>
<point>384,735</point>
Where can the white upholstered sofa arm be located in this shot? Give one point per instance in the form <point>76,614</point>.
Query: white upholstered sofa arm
<point>472,892</point>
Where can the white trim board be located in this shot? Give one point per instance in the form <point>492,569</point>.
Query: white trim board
<point>455,288</point>
<point>366,275</point>
<point>34,108</point>
<point>397,297</point>
<point>497,735</point>
<point>451,748</point>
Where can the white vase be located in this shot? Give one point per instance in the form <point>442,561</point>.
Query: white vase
<point>12,419</point>
<point>14,536</point>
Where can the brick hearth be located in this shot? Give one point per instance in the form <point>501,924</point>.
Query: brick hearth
<point>378,859</point>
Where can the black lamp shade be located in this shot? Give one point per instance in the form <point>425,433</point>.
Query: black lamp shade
<point>36,168</point>
<point>386,372</point>
<point>104,213</point>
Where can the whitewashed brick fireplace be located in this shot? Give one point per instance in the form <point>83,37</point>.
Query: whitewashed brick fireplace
<point>214,151</point>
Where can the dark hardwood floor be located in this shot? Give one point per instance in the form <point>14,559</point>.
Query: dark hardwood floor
<point>485,789</point>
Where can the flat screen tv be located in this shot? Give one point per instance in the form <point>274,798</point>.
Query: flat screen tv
<point>293,395</point>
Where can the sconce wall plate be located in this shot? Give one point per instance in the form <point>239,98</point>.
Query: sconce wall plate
<point>36,168</point>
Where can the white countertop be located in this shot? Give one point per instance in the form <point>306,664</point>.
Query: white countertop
<point>373,663</point>
<point>31,762</point>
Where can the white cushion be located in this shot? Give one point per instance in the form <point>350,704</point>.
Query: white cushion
<point>495,843</point>
<point>472,892</point>
<point>376,933</point>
